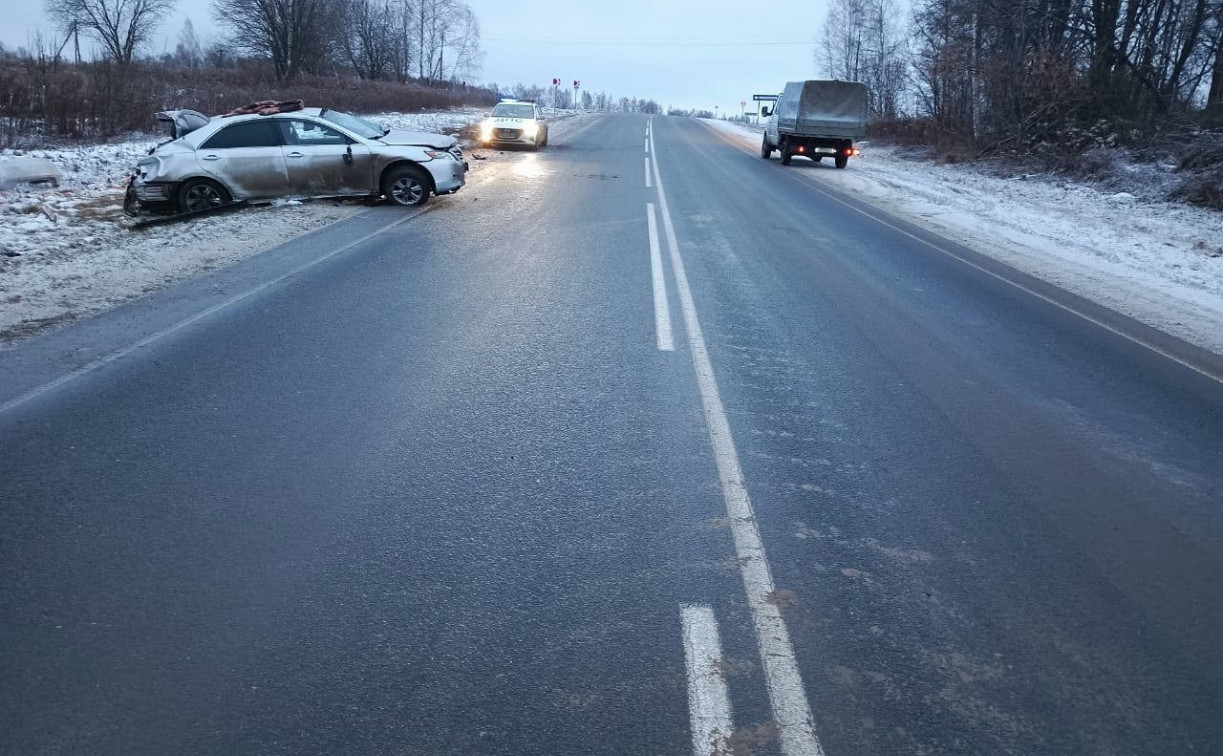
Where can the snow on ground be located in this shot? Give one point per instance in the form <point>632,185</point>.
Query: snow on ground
<point>66,252</point>
<point>1158,262</point>
<point>99,265</point>
<point>450,122</point>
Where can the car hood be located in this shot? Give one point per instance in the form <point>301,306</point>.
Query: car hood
<point>417,139</point>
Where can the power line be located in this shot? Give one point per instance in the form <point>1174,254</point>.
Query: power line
<point>647,43</point>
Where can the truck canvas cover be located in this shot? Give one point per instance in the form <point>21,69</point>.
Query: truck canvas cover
<point>823,109</point>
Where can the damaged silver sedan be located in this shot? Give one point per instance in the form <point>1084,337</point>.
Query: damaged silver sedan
<point>309,153</point>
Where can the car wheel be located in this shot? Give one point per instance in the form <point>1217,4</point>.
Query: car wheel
<point>786,155</point>
<point>201,194</point>
<point>817,158</point>
<point>766,151</point>
<point>841,161</point>
<point>407,185</point>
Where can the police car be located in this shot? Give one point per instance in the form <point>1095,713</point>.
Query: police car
<point>515,122</point>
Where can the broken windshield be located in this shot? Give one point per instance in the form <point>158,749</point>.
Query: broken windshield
<point>358,126</point>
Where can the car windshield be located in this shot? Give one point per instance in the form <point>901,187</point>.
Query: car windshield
<point>358,126</point>
<point>516,110</point>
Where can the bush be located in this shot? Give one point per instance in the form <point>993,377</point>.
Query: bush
<point>40,101</point>
<point>1202,164</point>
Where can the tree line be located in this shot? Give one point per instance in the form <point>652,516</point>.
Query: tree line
<point>425,40</point>
<point>1021,71</point>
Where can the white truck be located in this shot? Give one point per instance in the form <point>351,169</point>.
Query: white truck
<point>816,119</point>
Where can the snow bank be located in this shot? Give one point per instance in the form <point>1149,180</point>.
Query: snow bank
<point>451,122</point>
<point>1158,262</point>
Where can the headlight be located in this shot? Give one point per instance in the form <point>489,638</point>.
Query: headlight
<point>486,129</point>
<point>438,154</point>
<point>531,129</point>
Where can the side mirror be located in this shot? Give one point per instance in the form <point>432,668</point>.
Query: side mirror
<point>765,112</point>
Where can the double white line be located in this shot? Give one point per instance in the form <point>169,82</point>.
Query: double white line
<point>787,696</point>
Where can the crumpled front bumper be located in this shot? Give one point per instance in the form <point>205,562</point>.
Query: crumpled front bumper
<point>151,193</point>
<point>448,175</point>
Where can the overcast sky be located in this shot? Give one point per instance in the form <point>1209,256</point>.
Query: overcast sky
<point>687,54</point>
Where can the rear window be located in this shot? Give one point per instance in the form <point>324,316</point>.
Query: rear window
<point>505,110</point>
<point>247,134</point>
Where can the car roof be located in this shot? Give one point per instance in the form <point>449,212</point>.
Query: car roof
<point>312,112</point>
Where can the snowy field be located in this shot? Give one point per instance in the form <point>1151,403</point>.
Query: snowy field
<point>66,252</point>
<point>1158,262</point>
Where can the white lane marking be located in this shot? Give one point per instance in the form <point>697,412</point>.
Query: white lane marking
<point>708,702</point>
<point>811,183</point>
<point>649,183</point>
<point>791,712</point>
<point>102,362</point>
<point>647,145</point>
<point>662,308</point>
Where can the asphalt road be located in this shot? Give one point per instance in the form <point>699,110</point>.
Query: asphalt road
<point>438,490</point>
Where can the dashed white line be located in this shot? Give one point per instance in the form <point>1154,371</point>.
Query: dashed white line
<point>708,702</point>
<point>662,308</point>
<point>647,145</point>
<point>787,696</point>
<point>649,181</point>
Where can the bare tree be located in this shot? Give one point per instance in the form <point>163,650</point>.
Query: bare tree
<point>1214,95</point>
<point>861,40</point>
<point>188,52</point>
<point>293,34</point>
<point>121,27</point>
<point>367,37</point>
<point>448,40</point>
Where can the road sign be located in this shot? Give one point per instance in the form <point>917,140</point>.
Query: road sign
<point>556,82</point>
<point>577,84</point>
<point>765,98</point>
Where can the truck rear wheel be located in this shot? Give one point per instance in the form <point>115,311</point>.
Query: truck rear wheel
<point>842,161</point>
<point>785,156</point>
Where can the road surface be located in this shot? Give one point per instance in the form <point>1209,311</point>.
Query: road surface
<point>575,462</point>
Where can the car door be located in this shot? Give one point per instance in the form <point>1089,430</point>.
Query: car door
<point>247,159</point>
<point>324,162</point>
